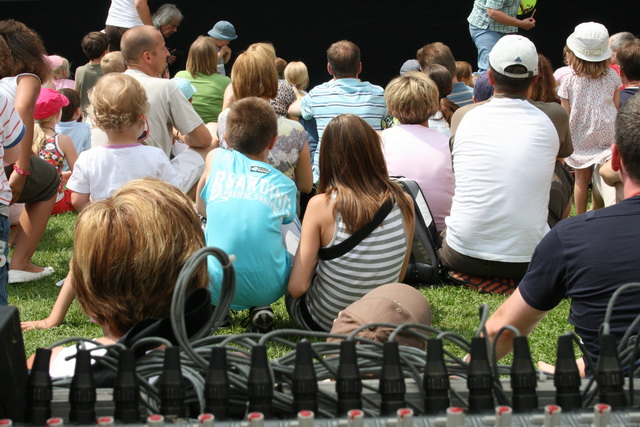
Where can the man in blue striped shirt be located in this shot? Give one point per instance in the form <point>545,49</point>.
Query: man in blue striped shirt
<point>345,93</point>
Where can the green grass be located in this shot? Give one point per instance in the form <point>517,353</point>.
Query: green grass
<point>453,309</point>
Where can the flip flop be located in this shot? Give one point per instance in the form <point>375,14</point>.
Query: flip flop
<point>19,276</point>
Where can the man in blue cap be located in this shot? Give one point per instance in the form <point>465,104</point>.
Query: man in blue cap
<point>223,32</point>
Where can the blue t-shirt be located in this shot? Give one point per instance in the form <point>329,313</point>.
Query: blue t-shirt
<point>342,96</point>
<point>247,201</point>
<point>586,258</point>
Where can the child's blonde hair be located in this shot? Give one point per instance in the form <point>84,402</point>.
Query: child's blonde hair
<point>584,68</point>
<point>297,75</point>
<point>118,101</point>
<point>62,71</point>
<point>113,62</point>
<point>39,137</point>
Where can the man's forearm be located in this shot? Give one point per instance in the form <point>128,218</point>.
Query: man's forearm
<point>506,19</point>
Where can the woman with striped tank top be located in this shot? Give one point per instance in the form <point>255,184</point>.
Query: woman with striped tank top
<point>354,184</point>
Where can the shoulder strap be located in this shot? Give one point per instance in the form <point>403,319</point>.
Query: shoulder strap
<point>347,245</point>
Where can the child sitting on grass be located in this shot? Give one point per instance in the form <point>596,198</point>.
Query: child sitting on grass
<point>118,283</point>
<point>119,108</point>
<point>71,123</point>
<point>246,201</point>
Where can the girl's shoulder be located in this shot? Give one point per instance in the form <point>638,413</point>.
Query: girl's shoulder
<point>321,202</point>
<point>612,76</point>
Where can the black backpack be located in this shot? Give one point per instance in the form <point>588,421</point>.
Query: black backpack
<point>424,265</point>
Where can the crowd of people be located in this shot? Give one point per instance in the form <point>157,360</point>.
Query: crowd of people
<point>296,184</point>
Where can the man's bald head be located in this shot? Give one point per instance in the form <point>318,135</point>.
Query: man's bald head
<point>137,40</point>
<point>143,48</point>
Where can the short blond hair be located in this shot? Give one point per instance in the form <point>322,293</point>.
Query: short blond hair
<point>113,62</point>
<point>118,101</point>
<point>266,48</point>
<point>254,74</point>
<point>129,249</point>
<point>297,75</point>
<point>412,98</point>
<point>203,57</point>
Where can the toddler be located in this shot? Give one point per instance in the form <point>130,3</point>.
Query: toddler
<point>119,109</point>
<point>590,94</point>
<point>52,146</point>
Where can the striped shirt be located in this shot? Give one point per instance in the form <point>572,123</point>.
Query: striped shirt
<point>11,132</point>
<point>479,18</point>
<point>461,94</point>
<point>375,261</point>
<point>342,96</point>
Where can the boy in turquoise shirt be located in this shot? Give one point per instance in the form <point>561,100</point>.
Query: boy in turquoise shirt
<point>246,201</point>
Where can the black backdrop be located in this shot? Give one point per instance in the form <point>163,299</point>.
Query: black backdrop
<point>387,32</point>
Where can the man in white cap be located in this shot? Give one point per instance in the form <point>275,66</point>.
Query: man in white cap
<point>586,258</point>
<point>223,33</point>
<point>504,153</point>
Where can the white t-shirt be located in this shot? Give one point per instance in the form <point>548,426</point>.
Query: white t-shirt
<point>60,367</point>
<point>102,170</point>
<point>504,154</point>
<point>168,109</point>
<point>11,132</point>
<point>123,13</point>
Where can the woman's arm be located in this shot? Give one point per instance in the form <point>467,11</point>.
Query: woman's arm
<point>409,228</point>
<point>25,102</point>
<point>302,173</point>
<point>304,265</point>
<point>228,97</point>
<point>143,11</point>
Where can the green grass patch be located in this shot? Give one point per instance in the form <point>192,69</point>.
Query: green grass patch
<point>453,308</point>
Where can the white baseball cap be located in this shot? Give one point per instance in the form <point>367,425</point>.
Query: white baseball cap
<point>590,42</point>
<point>514,50</point>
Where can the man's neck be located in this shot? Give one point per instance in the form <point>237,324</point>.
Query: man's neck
<point>140,68</point>
<point>345,77</point>
<point>631,189</point>
<point>95,61</point>
<point>508,94</point>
